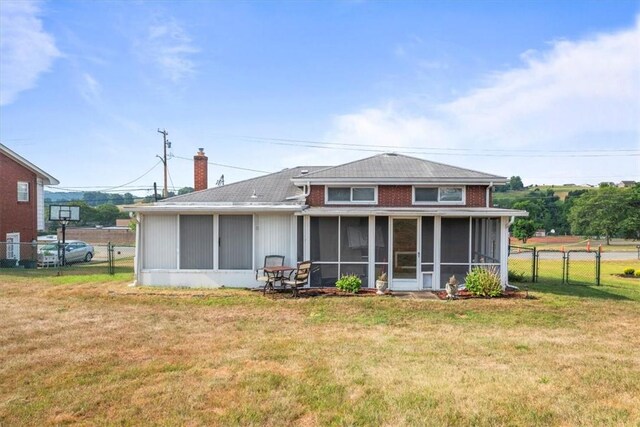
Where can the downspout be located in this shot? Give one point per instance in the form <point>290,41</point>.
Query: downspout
<point>488,193</point>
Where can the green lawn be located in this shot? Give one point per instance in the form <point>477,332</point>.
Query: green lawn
<point>91,350</point>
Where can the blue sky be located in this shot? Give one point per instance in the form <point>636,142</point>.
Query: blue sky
<point>546,90</point>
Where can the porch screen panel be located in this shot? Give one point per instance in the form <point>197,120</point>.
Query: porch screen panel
<point>454,241</point>
<point>427,239</point>
<point>446,271</point>
<point>324,239</point>
<point>196,242</point>
<point>354,239</point>
<point>324,275</point>
<point>159,241</point>
<point>359,270</point>
<point>382,244</point>
<point>300,238</point>
<point>485,241</point>
<point>236,238</point>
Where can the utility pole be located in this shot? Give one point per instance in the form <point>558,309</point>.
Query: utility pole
<point>165,191</point>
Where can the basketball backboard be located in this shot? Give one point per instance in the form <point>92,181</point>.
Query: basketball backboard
<point>64,213</point>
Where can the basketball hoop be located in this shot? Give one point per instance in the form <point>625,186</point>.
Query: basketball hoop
<point>64,214</point>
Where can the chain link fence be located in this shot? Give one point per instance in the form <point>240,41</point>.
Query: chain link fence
<point>554,266</point>
<point>72,258</point>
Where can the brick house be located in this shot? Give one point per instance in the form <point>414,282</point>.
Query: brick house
<point>21,200</point>
<point>417,220</point>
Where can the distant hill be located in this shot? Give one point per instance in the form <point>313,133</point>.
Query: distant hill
<point>63,196</point>
<point>559,190</point>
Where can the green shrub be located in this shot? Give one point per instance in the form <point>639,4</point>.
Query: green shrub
<point>484,282</point>
<point>349,283</point>
<point>514,276</point>
<point>629,271</point>
<point>637,273</point>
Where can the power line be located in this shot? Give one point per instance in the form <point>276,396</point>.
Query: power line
<point>412,151</point>
<point>225,166</point>
<point>425,149</point>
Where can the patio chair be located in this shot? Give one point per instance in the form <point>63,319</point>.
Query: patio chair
<point>269,261</point>
<point>299,277</point>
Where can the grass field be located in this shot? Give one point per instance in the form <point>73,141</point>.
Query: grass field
<point>90,350</point>
<point>559,190</point>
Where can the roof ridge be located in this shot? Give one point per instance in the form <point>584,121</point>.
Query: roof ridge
<point>244,181</point>
<point>445,164</point>
<point>348,163</point>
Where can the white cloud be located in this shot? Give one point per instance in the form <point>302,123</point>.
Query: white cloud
<point>574,94</point>
<point>90,89</point>
<point>168,46</point>
<point>26,49</point>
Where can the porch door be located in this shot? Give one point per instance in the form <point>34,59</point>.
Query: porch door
<point>405,254</point>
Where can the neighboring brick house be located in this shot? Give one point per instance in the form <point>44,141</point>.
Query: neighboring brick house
<point>21,200</point>
<point>417,220</point>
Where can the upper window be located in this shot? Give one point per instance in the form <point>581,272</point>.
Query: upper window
<point>23,191</point>
<point>429,195</point>
<point>351,195</point>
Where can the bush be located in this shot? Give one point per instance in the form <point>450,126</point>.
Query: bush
<point>484,282</point>
<point>637,273</point>
<point>349,283</point>
<point>514,276</point>
<point>629,271</point>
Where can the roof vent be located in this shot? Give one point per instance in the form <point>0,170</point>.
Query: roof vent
<point>254,195</point>
<point>391,154</point>
<point>304,171</point>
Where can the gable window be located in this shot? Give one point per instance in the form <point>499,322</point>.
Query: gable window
<point>23,191</point>
<point>351,195</point>
<point>433,195</point>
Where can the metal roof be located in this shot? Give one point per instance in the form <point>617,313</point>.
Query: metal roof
<point>47,179</point>
<point>400,167</point>
<point>268,189</point>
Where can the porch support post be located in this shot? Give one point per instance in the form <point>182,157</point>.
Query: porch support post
<point>372,251</point>
<point>216,242</point>
<point>437,233</point>
<point>306,225</point>
<point>504,251</point>
<point>136,257</point>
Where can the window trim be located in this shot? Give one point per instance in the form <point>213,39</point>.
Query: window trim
<point>439,202</point>
<point>19,192</point>
<point>351,201</point>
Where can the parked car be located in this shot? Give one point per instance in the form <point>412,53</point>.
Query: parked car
<point>75,251</point>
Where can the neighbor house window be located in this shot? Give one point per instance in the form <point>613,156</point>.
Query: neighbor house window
<point>196,242</point>
<point>235,242</point>
<point>351,195</point>
<point>430,195</point>
<point>23,191</point>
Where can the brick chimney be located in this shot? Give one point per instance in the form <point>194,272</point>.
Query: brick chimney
<point>200,166</point>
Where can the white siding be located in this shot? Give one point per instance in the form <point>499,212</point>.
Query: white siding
<point>40,204</point>
<point>159,242</point>
<point>273,237</point>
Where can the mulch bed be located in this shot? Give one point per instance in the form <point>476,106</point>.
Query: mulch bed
<point>323,292</point>
<point>626,276</point>
<point>468,295</point>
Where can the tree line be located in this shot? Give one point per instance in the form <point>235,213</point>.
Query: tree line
<point>607,211</point>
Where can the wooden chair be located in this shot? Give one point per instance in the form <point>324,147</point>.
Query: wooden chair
<point>299,277</point>
<point>269,261</point>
